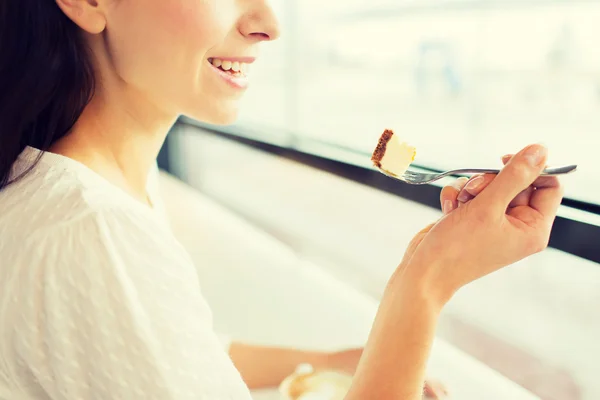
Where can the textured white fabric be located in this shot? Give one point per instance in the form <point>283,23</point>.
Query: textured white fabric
<point>98,300</point>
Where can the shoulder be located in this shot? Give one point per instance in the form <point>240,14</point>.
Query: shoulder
<point>99,240</point>
<point>104,247</point>
<point>45,195</point>
<point>59,211</point>
<point>55,194</point>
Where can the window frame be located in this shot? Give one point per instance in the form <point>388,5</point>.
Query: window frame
<point>575,230</point>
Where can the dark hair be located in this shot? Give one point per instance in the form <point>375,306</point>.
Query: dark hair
<point>46,77</point>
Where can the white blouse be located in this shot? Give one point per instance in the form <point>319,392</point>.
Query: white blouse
<point>98,300</point>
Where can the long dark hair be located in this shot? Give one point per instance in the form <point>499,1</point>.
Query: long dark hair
<point>46,77</point>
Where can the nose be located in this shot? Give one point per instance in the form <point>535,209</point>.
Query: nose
<point>260,23</point>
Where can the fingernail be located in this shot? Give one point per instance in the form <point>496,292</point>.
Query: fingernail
<point>459,183</point>
<point>535,154</point>
<point>464,196</point>
<point>448,206</point>
<point>474,183</point>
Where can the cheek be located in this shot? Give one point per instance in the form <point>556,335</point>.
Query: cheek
<point>199,24</point>
<point>159,45</point>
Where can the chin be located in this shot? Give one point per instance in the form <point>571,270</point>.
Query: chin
<point>215,115</point>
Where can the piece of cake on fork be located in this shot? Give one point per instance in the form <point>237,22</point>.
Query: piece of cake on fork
<point>392,155</point>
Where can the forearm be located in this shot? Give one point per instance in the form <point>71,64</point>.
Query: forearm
<point>395,357</point>
<point>263,367</point>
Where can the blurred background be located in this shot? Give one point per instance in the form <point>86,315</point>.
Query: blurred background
<point>465,81</point>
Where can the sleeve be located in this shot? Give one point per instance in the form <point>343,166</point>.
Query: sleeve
<point>226,341</point>
<point>118,314</point>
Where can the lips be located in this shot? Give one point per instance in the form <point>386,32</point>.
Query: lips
<point>234,68</point>
<point>232,71</point>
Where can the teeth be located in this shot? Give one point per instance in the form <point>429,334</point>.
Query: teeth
<point>226,65</point>
<point>233,66</point>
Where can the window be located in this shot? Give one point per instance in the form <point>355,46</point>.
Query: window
<point>465,81</point>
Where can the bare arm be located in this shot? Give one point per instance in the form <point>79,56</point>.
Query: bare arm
<point>263,367</point>
<point>395,357</point>
<point>508,220</point>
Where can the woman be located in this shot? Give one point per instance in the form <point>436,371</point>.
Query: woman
<point>97,298</point>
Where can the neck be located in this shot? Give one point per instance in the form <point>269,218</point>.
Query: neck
<point>119,136</point>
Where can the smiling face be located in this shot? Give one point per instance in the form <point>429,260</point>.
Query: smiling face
<point>189,57</point>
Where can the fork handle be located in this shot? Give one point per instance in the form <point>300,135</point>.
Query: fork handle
<point>547,172</point>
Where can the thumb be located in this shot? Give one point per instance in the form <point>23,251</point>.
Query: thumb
<point>520,172</point>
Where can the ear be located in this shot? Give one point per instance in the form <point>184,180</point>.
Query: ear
<point>87,14</point>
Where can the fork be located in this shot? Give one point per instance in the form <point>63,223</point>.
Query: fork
<point>422,178</point>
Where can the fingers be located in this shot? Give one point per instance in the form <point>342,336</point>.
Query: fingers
<point>520,172</point>
<point>449,195</point>
<point>522,199</point>
<point>506,158</point>
<point>547,196</point>
<point>474,187</point>
<point>525,197</point>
